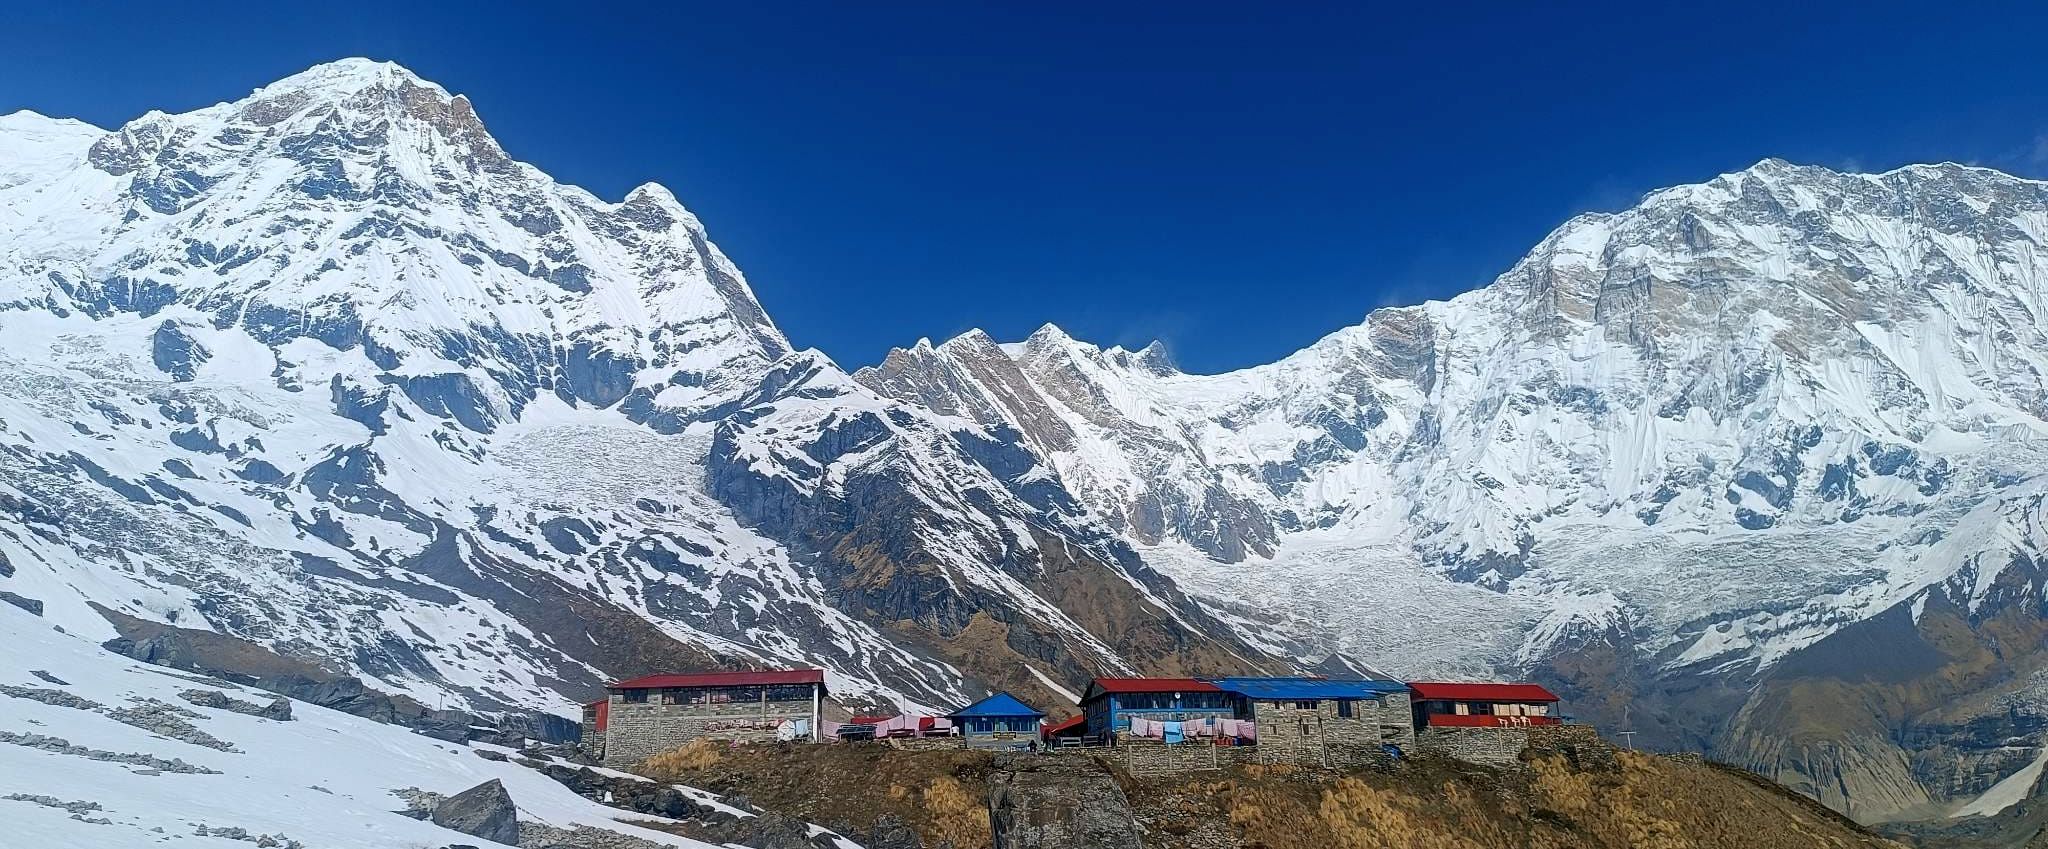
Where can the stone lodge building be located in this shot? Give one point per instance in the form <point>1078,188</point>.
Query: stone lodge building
<point>1324,721</point>
<point>646,716</point>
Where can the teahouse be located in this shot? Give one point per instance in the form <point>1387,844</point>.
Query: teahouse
<point>1452,705</point>
<point>1000,721</point>
<point>1111,703</point>
<point>653,714</point>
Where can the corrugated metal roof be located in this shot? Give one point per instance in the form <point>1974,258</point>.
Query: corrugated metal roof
<point>1000,704</point>
<point>1147,685</point>
<point>725,679</point>
<point>1309,688</point>
<point>1482,692</point>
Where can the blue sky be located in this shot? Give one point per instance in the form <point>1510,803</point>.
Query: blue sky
<point>1235,180</point>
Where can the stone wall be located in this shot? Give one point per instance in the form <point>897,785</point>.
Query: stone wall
<point>1319,736</point>
<point>1146,756</point>
<point>1487,746</point>
<point>637,731</point>
<point>920,744</point>
<point>1502,747</point>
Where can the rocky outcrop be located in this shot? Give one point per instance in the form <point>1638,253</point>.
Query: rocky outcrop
<point>240,661</point>
<point>485,811</point>
<point>1060,803</point>
<point>279,708</point>
<point>34,606</point>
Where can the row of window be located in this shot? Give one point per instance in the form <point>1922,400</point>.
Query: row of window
<point>718,695</point>
<point>1165,701</point>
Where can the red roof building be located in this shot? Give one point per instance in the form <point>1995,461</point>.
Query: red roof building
<point>1073,727</point>
<point>1479,705</point>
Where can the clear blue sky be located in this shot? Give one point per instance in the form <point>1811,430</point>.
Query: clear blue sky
<point>1234,179</point>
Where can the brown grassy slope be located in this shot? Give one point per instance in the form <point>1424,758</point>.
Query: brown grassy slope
<point>1637,801</point>
<point>1590,798</point>
<point>942,795</point>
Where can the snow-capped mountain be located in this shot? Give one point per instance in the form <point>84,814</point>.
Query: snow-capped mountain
<point>327,370</point>
<point>1716,428</point>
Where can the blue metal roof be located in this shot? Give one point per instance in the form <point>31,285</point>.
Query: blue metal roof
<point>1309,688</point>
<point>1000,704</point>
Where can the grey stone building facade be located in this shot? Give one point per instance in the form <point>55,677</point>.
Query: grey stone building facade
<point>1332,732</point>
<point>646,716</point>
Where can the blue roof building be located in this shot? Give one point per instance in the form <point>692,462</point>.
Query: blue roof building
<point>999,721</point>
<point>1276,689</point>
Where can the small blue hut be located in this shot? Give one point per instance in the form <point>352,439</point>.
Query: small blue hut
<point>1000,721</point>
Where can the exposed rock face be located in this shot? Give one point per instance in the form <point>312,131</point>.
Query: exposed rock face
<point>279,708</point>
<point>485,811</point>
<point>1060,803</point>
<point>339,297</point>
<point>34,606</point>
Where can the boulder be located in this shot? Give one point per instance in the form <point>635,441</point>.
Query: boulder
<point>484,811</point>
<point>1060,803</point>
<point>891,832</point>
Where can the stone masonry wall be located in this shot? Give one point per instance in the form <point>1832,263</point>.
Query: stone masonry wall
<point>1503,747</point>
<point>1149,757</point>
<point>635,732</point>
<point>1487,746</point>
<point>1319,737</point>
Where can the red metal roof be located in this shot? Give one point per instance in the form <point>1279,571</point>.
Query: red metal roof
<point>1064,727</point>
<point>725,679</point>
<point>1148,685</point>
<point>1481,692</point>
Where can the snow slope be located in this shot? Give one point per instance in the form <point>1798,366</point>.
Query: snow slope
<point>1719,425</point>
<point>325,369</point>
<point>323,779</point>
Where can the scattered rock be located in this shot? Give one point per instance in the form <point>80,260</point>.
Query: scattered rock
<point>419,804</point>
<point>74,808</point>
<point>492,755</point>
<point>151,765</point>
<point>279,708</point>
<point>54,698</point>
<point>485,811</point>
<point>263,841</point>
<point>537,836</point>
<point>31,605</point>
<point>48,678</point>
<point>168,720</point>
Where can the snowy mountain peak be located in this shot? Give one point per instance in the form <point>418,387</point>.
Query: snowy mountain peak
<point>348,76</point>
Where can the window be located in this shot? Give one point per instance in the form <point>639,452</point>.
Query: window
<point>1344,708</point>
<point>636,697</point>
<point>1145,701</point>
<point>788,693</point>
<point>1305,704</point>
